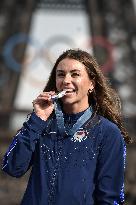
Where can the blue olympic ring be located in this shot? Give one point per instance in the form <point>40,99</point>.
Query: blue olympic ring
<point>10,45</point>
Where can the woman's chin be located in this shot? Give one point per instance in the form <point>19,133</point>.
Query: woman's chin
<point>68,101</point>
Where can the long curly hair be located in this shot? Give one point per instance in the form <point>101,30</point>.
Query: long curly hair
<point>104,99</point>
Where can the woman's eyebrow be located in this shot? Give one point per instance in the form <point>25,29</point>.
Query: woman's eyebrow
<point>74,70</point>
<point>59,70</point>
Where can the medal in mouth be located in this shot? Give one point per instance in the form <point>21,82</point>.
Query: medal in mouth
<point>63,93</point>
<point>59,95</point>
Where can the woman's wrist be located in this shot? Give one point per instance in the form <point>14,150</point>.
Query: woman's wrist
<point>43,117</point>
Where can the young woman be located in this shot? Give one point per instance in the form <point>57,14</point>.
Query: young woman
<point>75,144</point>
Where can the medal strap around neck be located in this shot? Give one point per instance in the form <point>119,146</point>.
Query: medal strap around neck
<point>60,120</point>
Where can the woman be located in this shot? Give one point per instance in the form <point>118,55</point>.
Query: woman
<point>75,144</point>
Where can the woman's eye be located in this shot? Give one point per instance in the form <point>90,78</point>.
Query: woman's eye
<point>60,75</point>
<point>75,74</point>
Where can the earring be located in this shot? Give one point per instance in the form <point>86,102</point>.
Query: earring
<point>90,91</point>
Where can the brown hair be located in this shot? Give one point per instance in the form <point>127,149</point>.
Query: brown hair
<point>103,98</point>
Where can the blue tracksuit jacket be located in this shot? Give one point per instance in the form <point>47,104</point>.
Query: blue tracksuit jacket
<point>85,169</point>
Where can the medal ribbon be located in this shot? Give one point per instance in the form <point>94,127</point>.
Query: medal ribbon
<point>60,120</point>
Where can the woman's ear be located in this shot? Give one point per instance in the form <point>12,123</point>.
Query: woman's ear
<point>92,85</point>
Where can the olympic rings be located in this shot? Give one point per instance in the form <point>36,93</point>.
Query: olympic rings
<point>47,52</point>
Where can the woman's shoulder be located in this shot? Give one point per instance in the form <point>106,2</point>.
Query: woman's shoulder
<point>110,130</point>
<point>108,124</point>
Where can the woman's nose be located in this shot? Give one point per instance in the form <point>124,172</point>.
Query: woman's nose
<point>67,79</point>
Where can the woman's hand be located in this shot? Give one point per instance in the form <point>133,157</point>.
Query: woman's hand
<point>43,105</point>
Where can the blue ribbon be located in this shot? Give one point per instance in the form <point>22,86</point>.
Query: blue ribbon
<point>60,120</point>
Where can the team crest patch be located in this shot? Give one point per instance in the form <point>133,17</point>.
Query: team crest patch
<point>79,136</point>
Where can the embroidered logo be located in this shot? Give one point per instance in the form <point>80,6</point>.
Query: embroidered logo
<point>79,136</point>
